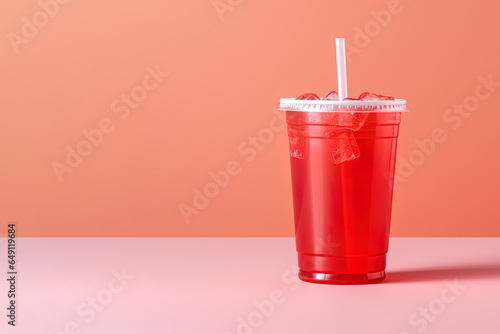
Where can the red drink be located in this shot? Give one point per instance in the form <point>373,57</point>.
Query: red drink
<point>342,178</point>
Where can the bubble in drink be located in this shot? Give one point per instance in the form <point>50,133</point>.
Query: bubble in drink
<point>308,96</point>
<point>343,147</point>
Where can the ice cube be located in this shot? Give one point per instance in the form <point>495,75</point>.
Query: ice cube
<point>343,147</point>
<point>308,96</point>
<point>297,147</point>
<point>352,120</point>
<point>367,96</point>
<point>297,140</point>
<point>333,95</point>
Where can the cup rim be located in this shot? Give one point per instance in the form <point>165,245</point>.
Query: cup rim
<point>291,104</point>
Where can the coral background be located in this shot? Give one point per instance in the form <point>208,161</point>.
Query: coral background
<point>228,63</point>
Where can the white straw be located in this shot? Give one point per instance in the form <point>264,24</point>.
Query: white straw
<point>341,72</point>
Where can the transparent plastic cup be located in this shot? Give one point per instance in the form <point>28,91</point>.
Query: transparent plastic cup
<point>342,156</point>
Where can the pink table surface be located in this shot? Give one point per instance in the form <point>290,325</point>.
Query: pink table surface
<point>246,285</point>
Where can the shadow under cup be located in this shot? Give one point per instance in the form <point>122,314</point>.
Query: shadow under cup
<point>342,165</point>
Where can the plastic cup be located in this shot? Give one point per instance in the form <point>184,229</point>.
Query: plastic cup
<point>342,156</point>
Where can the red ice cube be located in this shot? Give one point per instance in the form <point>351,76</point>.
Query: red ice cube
<point>367,96</point>
<point>353,121</point>
<point>343,147</point>
<point>297,139</point>
<point>333,95</point>
<point>308,96</point>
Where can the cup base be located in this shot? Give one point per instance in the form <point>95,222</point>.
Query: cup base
<point>342,279</point>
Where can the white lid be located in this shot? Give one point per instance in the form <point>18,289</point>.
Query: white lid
<point>291,104</point>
